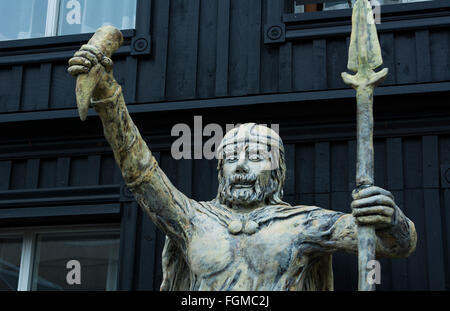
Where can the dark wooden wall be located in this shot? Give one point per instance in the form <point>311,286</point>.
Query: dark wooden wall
<point>203,49</point>
<point>205,53</point>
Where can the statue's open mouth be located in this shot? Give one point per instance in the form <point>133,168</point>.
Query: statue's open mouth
<point>243,181</point>
<point>243,185</point>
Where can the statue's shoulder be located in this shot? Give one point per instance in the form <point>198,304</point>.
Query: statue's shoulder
<point>296,209</point>
<point>310,211</point>
<point>287,211</point>
<point>306,208</point>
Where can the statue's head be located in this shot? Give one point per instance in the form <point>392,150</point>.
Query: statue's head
<point>251,167</point>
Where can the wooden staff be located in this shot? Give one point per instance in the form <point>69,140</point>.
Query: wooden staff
<point>364,56</point>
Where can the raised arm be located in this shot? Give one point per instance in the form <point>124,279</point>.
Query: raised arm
<point>168,207</point>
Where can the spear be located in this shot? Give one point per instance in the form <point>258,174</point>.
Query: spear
<point>364,56</point>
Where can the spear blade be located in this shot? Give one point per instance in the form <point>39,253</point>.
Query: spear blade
<point>364,45</point>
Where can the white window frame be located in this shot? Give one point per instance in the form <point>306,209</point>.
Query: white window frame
<point>29,242</point>
<point>51,25</point>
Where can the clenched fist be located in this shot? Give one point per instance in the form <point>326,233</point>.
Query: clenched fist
<point>88,59</point>
<point>373,206</point>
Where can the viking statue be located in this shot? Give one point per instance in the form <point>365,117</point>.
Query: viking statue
<point>247,237</point>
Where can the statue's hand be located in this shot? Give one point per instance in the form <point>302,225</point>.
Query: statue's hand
<point>84,60</point>
<point>87,57</point>
<point>373,206</point>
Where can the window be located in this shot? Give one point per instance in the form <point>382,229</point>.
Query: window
<point>301,6</point>
<point>76,258</point>
<point>23,19</point>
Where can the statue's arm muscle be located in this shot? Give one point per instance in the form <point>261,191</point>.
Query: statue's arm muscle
<point>168,207</point>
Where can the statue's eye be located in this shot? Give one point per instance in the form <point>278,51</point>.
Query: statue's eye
<point>254,157</point>
<point>231,158</point>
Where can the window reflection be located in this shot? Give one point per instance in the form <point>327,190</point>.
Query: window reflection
<point>96,254</point>
<point>22,19</point>
<point>83,16</point>
<point>10,253</point>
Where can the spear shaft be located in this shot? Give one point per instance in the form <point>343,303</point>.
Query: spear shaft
<point>365,178</point>
<point>364,57</point>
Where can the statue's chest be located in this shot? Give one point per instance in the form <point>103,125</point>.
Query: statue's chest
<point>213,248</point>
<point>273,248</point>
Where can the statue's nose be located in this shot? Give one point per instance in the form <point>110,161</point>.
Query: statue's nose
<point>242,169</point>
<point>241,166</point>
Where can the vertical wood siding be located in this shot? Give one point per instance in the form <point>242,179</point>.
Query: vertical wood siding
<point>208,49</point>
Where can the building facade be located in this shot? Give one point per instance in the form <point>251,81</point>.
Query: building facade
<point>64,211</point>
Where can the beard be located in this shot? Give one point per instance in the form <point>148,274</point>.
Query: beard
<point>245,190</point>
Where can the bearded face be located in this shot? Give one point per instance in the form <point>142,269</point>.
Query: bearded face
<point>247,175</point>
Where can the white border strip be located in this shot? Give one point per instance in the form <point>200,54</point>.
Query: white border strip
<point>51,26</point>
<point>26,261</point>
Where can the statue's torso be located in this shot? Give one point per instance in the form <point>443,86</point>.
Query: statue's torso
<point>275,257</point>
